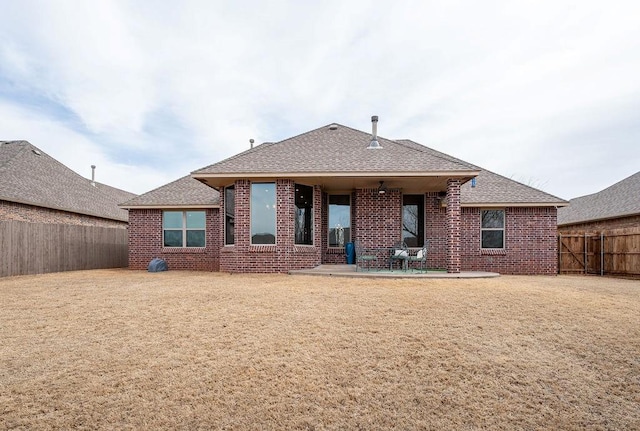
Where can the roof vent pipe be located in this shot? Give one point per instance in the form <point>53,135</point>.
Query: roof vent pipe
<point>374,144</point>
<point>251,141</point>
<point>93,175</point>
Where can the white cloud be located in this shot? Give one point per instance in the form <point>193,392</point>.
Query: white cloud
<point>176,86</point>
<point>78,153</point>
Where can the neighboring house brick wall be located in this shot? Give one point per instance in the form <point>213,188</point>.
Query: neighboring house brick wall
<point>530,242</point>
<point>35,214</point>
<point>145,243</point>
<point>602,225</point>
<point>285,255</point>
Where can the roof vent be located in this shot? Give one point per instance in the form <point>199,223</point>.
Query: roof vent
<point>36,152</point>
<point>374,144</point>
<point>251,141</point>
<point>333,127</point>
<point>93,175</point>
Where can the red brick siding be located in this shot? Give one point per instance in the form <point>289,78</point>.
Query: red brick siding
<point>530,235</point>
<point>145,243</point>
<point>602,225</point>
<point>435,231</point>
<point>530,242</point>
<point>284,255</point>
<point>35,214</point>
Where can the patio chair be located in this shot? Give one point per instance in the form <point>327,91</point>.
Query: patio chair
<point>363,256</point>
<point>421,256</point>
<point>399,253</point>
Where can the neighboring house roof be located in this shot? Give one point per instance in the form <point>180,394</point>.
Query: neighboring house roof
<point>619,200</point>
<point>184,192</point>
<point>30,176</point>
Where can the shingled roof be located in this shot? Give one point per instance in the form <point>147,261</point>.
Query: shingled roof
<point>30,176</point>
<point>333,149</point>
<point>184,192</point>
<point>332,153</point>
<point>619,200</point>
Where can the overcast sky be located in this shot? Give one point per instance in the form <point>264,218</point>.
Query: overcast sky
<point>544,92</point>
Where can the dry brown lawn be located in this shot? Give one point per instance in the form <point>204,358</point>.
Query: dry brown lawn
<point>119,349</point>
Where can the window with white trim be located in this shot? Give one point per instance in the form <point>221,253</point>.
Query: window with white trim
<point>183,228</point>
<point>492,229</point>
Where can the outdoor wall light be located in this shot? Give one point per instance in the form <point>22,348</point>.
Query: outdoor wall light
<point>382,188</point>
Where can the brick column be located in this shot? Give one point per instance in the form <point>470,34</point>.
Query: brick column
<point>285,223</point>
<point>453,226</point>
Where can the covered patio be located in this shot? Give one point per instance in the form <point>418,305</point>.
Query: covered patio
<point>344,270</point>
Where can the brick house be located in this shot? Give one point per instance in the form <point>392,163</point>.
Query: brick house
<point>294,204</point>
<point>616,207</point>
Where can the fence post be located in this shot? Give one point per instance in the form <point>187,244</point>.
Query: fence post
<point>559,252</point>
<point>601,254</point>
<point>585,253</point>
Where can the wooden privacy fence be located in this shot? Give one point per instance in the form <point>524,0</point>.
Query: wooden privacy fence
<point>36,248</point>
<point>611,253</point>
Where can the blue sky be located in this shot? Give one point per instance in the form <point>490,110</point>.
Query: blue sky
<point>544,92</point>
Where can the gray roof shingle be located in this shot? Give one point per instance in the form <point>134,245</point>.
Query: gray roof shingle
<point>30,176</point>
<point>619,200</point>
<point>184,191</point>
<point>333,151</point>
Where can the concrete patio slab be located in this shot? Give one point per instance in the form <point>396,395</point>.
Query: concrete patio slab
<point>350,271</point>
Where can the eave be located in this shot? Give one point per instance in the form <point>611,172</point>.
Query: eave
<point>512,204</point>
<point>167,206</point>
<point>67,210</point>
<point>409,182</point>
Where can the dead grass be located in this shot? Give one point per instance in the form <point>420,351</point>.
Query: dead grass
<point>117,349</point>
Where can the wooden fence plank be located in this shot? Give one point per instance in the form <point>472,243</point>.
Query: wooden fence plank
<point>35,248</point>
<point>613,253</point>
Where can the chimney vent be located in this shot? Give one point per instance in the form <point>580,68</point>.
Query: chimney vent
<point>251,141</point>
<point>93,175</point>
<point>374,144</point>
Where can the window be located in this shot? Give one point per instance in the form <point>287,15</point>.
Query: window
<point>263,213</point>
<point>304,214</point>
<point>229,214</point>
<point>183,228</point>
<point>492,229</point>
<point>339,220</point>
<point>413,220</point>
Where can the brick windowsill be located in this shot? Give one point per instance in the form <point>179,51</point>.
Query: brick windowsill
<point>493,252</point>
<point>184,250</point>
